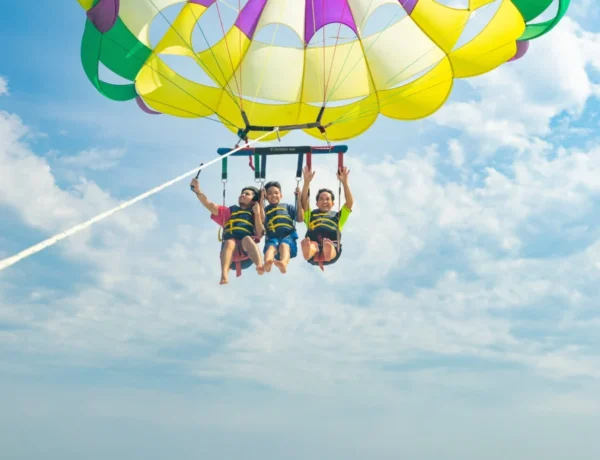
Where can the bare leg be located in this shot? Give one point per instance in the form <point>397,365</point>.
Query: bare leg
<point>270,257</point>
<point>284,255</point>
<point>226,256</point>
<point>329,251</point>
<point>309,248</point>
<point>251,248</point>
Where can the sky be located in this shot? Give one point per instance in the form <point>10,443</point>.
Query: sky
<point>461,321</point>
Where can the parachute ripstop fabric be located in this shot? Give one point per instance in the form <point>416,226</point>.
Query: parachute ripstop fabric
<point>403,72</point>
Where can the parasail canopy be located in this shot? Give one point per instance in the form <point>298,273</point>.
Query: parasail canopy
<point>404,71</point>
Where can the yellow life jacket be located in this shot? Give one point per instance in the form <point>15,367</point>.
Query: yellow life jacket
<point>240,224</point>
<point>323,225</point>
<point>279,223</point>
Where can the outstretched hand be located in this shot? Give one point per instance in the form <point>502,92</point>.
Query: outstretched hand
<point>308,174</point>
<point>342,175</point>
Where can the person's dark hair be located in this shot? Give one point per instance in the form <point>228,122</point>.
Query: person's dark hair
<point>325,190</point>
<point>273,183</point>
<point>254,190</point>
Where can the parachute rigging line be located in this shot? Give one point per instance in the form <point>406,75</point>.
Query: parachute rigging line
<point>326,84</point>
<point>375,107</point>
<point>5,263</point>
<point>265,66</point>
<point>408,66</point>
<point>145,64</point>
<point>209,47</point>
<point>354,42</point>
<point>237,10</point>
<point>229,54</point>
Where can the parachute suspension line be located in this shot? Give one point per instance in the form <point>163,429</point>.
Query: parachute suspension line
<point>324,60</point>
<point>5,263</point>
<point>231,6</point>
<point>224,182</point>
<point>368,111</point>
<point>460,26</point>
<point>375,107</point>
<point>192,49</point>
<point>241,61</point>
<point>365,51</point>
<point>334,51</point>
<point>107,37</point>
<point>241,106</point>
<point>191,113</point>
<point>243,133</point>
<point>232,94</point>
<point>314,32</point>
<point>337,85</point>
<point>266,64</point>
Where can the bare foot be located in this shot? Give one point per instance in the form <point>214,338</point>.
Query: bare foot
<point>305,247</point>
<point>224,280</point>
<point>281,266</point>
<point>328,250</point>
<point>268,265</point>
<point>260,269</point>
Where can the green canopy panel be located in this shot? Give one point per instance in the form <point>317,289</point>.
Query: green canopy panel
<point>108,41</point>
<point>531,9</point>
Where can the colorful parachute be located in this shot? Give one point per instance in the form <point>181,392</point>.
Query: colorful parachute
<point>404,71</point>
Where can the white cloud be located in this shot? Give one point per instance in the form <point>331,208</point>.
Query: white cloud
<point>94,159</point>
<point>28,186</point>
<point>3,86</point>
<point>519,99</point>
<point>150,298</point>
<point>457,153</point>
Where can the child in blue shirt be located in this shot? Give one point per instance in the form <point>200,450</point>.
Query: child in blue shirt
<point>279,223</point>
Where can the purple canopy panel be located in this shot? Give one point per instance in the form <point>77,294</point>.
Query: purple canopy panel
<point>104,15</point>
<point>326,12</point>
<point>522,47</point>
<point>409,5</point>
<point>249,16</point>
<point>142,105</point>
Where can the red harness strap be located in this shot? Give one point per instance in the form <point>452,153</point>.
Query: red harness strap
<point>320,258</point>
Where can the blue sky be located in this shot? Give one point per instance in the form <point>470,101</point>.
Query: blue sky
<point>461,322</point>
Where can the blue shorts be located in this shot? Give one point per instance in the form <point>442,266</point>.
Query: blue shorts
<point>244,264</point>
<point>290,240</point>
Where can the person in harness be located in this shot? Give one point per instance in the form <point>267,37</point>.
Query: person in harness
<point>321,245</point>
<point>242,230</point>
<point>280,226</point>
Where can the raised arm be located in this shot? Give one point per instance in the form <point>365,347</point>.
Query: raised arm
<point>258,220</point>
<point>262,206</point>
<point>212,207</point>
<point>343,177</point>
<point>308,176</point>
